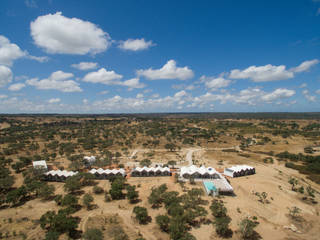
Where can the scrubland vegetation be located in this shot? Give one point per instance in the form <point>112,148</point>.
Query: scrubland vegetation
<point>142,208</point>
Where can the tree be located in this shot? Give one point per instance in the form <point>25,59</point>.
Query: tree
<point>69,200</point>
<point>294,213</point>
<point>72,184</point>
<point>59,223</point>
<point>87,200</point>
<point>155,198</point>
<point>172,163</point>
<point>246,228</point>
<point>177,228</point>
<point>98,190</point>
<point>145,162</point>
<point>6,180</point>
<point>170,146</point>
<point>16,195</point>
<point>132,194</point>
<point>116,188</point>
<point>222,226</point>
<point>163,222</point>
<point>93,234</point>
<point>141,214</point>
<point>218,209</point>
<point>46,191</point>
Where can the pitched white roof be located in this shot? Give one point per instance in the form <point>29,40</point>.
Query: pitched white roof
<point>90,158</point>
<point>200,170</point>
<point>60,173</point>
<point>238,168</point>
<point>151,169</point>
<point>101,171</point>
<point>41,163</point>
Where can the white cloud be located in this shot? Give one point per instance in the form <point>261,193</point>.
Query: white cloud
<point>135,44</point>
<point>58,34</point>
<point>215,83</point>
<point>309,97</point>
<point>305,66</point>
<point>54,100</point>
<point>16,86</point>
<point>271,73</point>
<point>85,66</point>
<point>102,76</point>
<point>168,71</point>
<point>278,94</point>
<point>9,51</point>
<point>85,101</point>
<point>5,75</point>
<point>104,92</point>
<point>303,85</point>
<point>262,74</point>
<point>133,83</point>
<point>318,91</point>
<point>139,95</point>
<point>2,96</point>
<point>57,81</point>
<point>39,59</point>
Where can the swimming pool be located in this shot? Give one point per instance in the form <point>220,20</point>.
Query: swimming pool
<point>210,187</point>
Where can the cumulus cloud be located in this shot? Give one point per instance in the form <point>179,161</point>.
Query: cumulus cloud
<point>2,96</point>
<point>310,98</point>
<point>85,65</point>
<point>215,83</point>
<point>102,76</point>
<point>56,33</point>
<point>9,51</point>
<point>271,73</point>
<point>305,66</point>
<point>58,80</point>
<point>16,86</point>
<point>135,44</point>
<point>168,71</point>
<point>54,100</point>
<point>278,94</point>
<point>5,75</point>
<point>133,83</point>
<point>318,91</point>
<point>262,74</point>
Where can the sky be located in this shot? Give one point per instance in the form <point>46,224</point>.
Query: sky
<point>119,56</point>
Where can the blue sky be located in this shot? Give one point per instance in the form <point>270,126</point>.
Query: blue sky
<point>159,56</point>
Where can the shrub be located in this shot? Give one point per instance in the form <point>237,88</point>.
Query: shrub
<point>141,214</point>
<point>93,234</point>
<point>98,190</point>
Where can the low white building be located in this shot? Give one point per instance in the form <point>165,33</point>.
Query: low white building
<point>107,173</point>
<point>239,170</point>
<point>89,159</point>
<point>58,175</point>
<point>150,171</point>
<point>40,165</point>
<point>199,172</point>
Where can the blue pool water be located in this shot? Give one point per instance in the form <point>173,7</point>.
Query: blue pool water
<point>209,187</point>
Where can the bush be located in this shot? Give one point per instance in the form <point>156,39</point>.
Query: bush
<point>246,228</point>
<point>163,222</point>
<point>93,234</point>
<point>141,215</point>
<point>97,190</point>
<point>87,200</point>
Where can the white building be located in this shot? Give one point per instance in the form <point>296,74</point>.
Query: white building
<point>40,165</point>
<point>107,173</point>
<point>152,171</point>
<point>199,172</point>
<point>58,175</point>
<point>239,170</point>
<point>89,159</point>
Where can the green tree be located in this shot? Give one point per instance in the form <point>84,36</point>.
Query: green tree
<point>141,214</point>
<point>6,180</point>
<point>116,188</point>
<point>72,184</point>
<point>87,200</point>
<point>246,228</point>
<point>163,222</point>
<point>132,194</point>
<point>156,198</point>
<point>46,191</point>
<point>93,234</point>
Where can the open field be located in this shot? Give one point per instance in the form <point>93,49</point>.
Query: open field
<point>133,141</point>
